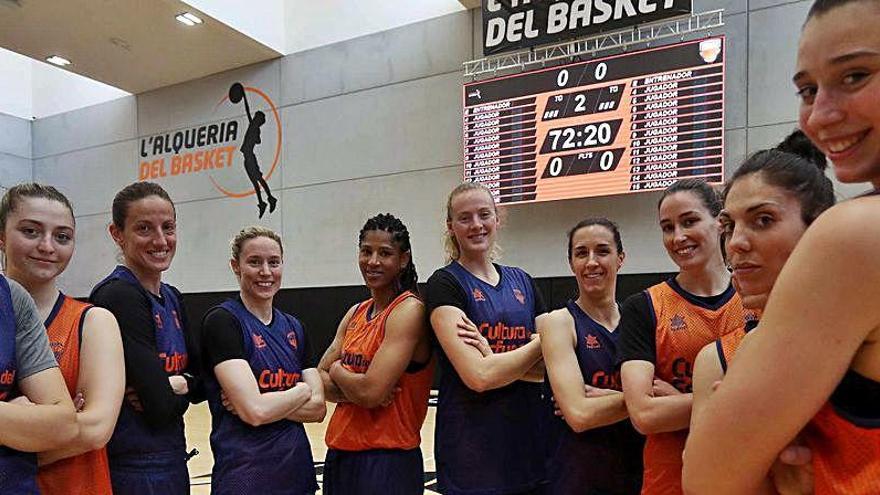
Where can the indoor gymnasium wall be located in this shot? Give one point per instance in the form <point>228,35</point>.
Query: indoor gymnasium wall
<point>371,125</point>
<point>15,151</point>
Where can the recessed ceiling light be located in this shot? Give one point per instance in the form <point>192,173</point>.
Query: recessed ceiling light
<point>55,59</point>
<point>189,19</point>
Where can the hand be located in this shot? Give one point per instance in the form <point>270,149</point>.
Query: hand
<point>664,389</point>
<point>178,385</point>
<point>133,399</point>
<point>792,473</point>
<point>470,334</point>
<point>79,401</point>
<point>227,403</point>
<point>21,400</point>
<point>591,391</point>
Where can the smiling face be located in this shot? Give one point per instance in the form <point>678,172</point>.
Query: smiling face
<point>762,224</point>
<point>258,268</point>
<point>473,222</point>
<point>149,237</point>
<point>594,260</point>
<point>690,232</point>
<point>838,81</point>
<point>380,260</point>
<point>38,240</point>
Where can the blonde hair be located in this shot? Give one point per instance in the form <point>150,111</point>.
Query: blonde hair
<point>450,245</point>
<point>249,233</point>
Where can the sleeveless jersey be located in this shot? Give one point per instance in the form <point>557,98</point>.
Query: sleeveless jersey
<point>606,459</point>
<point>133,437</point>
<point>275,458</point>
<point>729,343</point>
<point>490,442</point>
<point>395,426</point>
<point>844,438</point>
<point>88,473</point>
<point>684,325</point>
<point>18,470</point>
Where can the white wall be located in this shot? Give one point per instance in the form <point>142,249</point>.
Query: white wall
<point>262,20</point>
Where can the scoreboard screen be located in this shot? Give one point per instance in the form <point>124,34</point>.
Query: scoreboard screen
<point>634,122</point>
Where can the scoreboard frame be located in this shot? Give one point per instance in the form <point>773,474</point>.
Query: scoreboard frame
<point>599,127</point>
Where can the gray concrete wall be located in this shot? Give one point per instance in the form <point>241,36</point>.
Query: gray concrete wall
<point>15,151</point>
<point>372,125</point>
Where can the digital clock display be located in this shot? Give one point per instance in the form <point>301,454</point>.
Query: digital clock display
<point>628,123</point>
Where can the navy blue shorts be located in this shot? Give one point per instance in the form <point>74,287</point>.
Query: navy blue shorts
<point>374,472</point>
<point>150,474</point>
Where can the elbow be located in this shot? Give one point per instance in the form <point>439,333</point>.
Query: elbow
<point>643,422</point>
<point>97,438</point>
<point>320,413</point>
<point>368,396</point>
<point>253,415</point>
<point>478,381</point>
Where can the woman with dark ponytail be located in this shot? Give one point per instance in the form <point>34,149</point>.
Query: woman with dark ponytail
<point>378,371</point>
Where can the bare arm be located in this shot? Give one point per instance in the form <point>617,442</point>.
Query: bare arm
<point>332,392</point>
<point>404,329</point>
<point>101,381</point>
<point>241,389</point>
<point>481,373</point>
<point>707,371</point>
<point>649,413</point>
<point>822,311</point>
<point>48,423</point>
<point>580,412</point>
<point>314,409</point>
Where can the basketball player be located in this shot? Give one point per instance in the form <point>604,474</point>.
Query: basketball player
<point>379,367</point>
<point>261,384</point>
<point>147,451</point>
<point>664,327</point>
<point>812,366</point>
<point>487,439</point>
<point>38,241</point>
<point>595,449</point>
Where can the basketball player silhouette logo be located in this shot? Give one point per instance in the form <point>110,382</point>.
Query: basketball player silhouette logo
<point>250,141</point>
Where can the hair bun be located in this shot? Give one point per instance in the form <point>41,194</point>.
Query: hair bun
<point>797,143</point>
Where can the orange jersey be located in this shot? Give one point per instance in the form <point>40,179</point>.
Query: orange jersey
<point>729,343</point>
<point>395,426</point>
<point>846,447</point>
<point>683,328</point>
<point>86,473</point>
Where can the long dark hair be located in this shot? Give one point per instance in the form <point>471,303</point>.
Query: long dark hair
<point>387,222</point>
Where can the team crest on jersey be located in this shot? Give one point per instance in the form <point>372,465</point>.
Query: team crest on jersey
<point>478,295</point>
<point>592,342</point>
<point>519,295</point>
<point>677,323</point>
<point>258,340</point>
<point>291,338</point>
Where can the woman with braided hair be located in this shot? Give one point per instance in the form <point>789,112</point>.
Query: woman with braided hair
<point>378,370</point>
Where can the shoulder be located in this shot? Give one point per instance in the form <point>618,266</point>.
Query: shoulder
<point>442,274</point>
<point>17,293</point>
<point>407,309</point>
<point>118,292</point>
<point>853,221</point>
<point>96,317</point>
<point>557,318</point>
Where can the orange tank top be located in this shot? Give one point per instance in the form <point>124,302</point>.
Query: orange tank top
<point>395,426</point>
<point>846,448</point>
<point>683,328</point>
<point>729,343</point>
<point>89,473</point>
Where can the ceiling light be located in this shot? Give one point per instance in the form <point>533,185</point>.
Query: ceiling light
<point>189,19</point>
<point>60,61</point>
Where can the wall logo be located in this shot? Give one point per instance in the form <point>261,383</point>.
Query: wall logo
<point>212,149</point>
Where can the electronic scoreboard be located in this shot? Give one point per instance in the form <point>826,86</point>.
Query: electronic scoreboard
<point>628,123</point>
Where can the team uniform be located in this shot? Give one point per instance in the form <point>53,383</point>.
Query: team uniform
<point>88,473</point>
<point>376,451</point>
<point>668,326</point>
<point>843,437</point>
<point>24,351</point>
<point>489,442</point>
<point>147,452</point>
<point>601,461</point>
<point>271,459</point>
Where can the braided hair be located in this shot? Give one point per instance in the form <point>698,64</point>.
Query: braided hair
<point>400,237</point>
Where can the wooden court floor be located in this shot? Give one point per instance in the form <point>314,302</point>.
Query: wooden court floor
<point>198,430</point>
